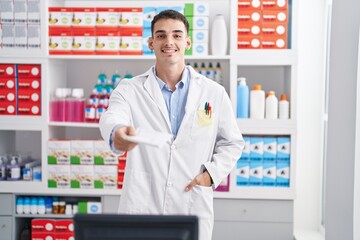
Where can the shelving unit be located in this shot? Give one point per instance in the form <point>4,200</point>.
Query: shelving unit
<point>274,69</point>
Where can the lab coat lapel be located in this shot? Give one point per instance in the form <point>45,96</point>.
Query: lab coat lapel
<point>152,87</point>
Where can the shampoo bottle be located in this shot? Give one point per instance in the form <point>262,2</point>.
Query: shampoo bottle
<point>271,106</point>
<point>242,99</point>
<point>257,103</point>
<point>284,107</point>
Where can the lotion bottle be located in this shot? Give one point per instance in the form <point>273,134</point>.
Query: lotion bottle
<point>257,103</point>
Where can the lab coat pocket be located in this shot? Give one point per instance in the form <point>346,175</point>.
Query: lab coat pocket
<point>201,202</point>
<point>201,125</point>
<point>136,197</point>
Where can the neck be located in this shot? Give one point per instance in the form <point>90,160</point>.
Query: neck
<point>171,75</point>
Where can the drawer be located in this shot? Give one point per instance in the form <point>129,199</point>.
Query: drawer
<point>5,227</point>
<point>253,210</point>
<point>6,206</point>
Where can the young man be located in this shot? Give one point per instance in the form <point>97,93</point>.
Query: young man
<point>204,143</point>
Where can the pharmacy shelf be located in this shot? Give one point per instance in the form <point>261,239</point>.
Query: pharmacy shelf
<point>59,216</point>
<point>265,57</point>
<point>274,193</point>
<point>74,124</point>
<point>267,126</point>
<point>136,57</point>
<point>17,123</point>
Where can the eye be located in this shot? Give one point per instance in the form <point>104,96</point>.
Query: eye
<point>161,36</point>
<point>177,36</point>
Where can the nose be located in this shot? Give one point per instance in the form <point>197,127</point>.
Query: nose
<point>169,41</point>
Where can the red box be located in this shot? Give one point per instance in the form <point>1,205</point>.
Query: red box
<point>84,40</point>
<point>274,4</point>
<point>7,108</point>
<point>107,40</point>
<point>249,42</point>
<point>60,40</point>
<point>7,70</point>
<point>249,29</point>
<point>274,29</point>
<point>7,95</point>
<point>121,165</point>
<point>28,70</point>
<point>42,235</point>
<point>64,225</point>
<point>249,5</point>
<point>28,95</point>
<point>29,83</point>
<point>122,157</point>
<point>64,236</point>
<point>29,108</point>
<point>7,83</point>
<point>43,225</point>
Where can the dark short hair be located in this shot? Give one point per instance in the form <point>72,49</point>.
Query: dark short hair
<point>170,14</point>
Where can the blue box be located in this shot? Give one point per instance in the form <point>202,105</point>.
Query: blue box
<point>180,9</point>
<point>242,173</point>
<point>270,148</point>
<point>148,15</point>
<point>283,148</point>
<point>246,151</point>
<point>283,173</point>
<point>269,173</point>
<point>256,148</point>
<point>256,173</point>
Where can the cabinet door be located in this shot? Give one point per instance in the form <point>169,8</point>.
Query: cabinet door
<point>5,227</point>
<point>6,206</point>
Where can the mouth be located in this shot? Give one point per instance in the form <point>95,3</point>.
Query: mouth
<point>169,50</point>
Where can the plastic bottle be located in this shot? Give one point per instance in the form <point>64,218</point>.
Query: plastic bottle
<point>48,205</point>
<point>26,205</point>
<point>102,78</point>
<point>54,106</point>
<point>271,106</point>
<point>257,103</point>
<point>90,111</point>
<point>78,105</point>
<point>210,71</point>
<point>95,95</point>
<point>219,36</point>
<point>115,79</point>
<point>242,99</point>
<point>218,74</point>
<point>203,69</point>
<point>196,67</point>
<point>68,106</point>
<point>20,205</point>
<point>100,110</point>
<point>33,205</point>
<point>13,171</point>
<point>284,107</point>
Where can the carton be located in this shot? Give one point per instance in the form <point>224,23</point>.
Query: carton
<point>148,15</point>
<point>8,35</point>
<point>273,42</point>
<point>274,4</point>
<point>89,207</point>
<point>130,45</point>
<point>275,16</point>
<point>60,41</point>
<point>20,11</point>
<point>283,148</point>
<point>270,148</point>
<point>59,152</point>
<point>130,17</point>
<point>7,70</point>
<point>269,173</point>
<point>197,9</point>
<point>199,49</point>
<point>146,34</point>
<point>105,176</point>
<point>34,36</point>
<point>249,42</point>
<point>58,176</point>
<point>29,108</point>
<point>64,226</point>
<point>107,41</point>
<point>103,155</point>
<point>107,17</point>
<point>249,16</point>
<point>256,173</point>
<point>7,11</point>
<point>33,11</point>
<point>199,36</point>
<point>251,5</point>
<point>246,151</point>
<point>82,152</point>
<point>28,70</point>
<point>42,225</point>
<point>83,41</point>
<point>283,173</point>
<point>60,17</point>
<point>82,176</point>
<point>242,172</point>
<point>198,22</point>
<point>83,17</point>
<point>256,148</point>
<point>249,28</point>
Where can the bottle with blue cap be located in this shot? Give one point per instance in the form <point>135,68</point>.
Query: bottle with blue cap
<point>20,205</point>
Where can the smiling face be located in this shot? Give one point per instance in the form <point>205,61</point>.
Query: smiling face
<point>169,41</point>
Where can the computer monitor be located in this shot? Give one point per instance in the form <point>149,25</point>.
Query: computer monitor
<point>135,227</point>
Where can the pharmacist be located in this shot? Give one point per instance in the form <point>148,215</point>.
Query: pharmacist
<point>191,116</point>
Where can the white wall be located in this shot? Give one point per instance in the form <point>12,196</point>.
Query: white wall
<point>311,32</point>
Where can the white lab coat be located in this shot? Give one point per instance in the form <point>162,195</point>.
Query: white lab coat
<point>155,178</point>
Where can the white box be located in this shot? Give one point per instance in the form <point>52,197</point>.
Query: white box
<point>7,11</point>
<point>103,155</point>
<point>58,176</point>
<point>20,11</point>
<point>33,11</point>
<point>59,152</point>
<point>34,36</point>
<point>82,176</point>
<point>82,152</point>
<point>8,35</point>
<point>20,36</point>
<point>200,36</point>
<point>105,176</point>
<point>200,49</point>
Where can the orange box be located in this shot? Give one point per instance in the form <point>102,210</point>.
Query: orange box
<point>29,70</point>
<point>249,5</point>
<point>60,40</point>
<point>29,83</point>
<point>249,28</point>
<point>7,83</point>
<point>83,41</point>
<point>275,16</point>
<point>64,225</point>
<point>249,42</point>
<point>249,16</point>
<point>42,235</point>
<point>8,95</point>
<point>274,4</point>
<point>64,236</point>
<point>7,70</point>
<point>272,42</point>
<point>274,29</point>
<point>107,40</point>
<point>42,225</point>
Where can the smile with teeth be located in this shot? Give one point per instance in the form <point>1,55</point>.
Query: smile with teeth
<point>169,50</point>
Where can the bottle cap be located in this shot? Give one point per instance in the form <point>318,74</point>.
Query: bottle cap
<point>241,81</point>
<point>270,93</point>
<point>283,97</point>
<point>78,92</point>
<point>257,87</point>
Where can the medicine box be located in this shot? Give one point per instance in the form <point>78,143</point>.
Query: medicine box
<point>197,9</point>
<point>256,148</point>
<point>269,173</point>
<point>283,148</point>
<point>270,148</point>
<point>245,155</point>
<point>242,172</point>
<point>58,176</point>
<point>105,176</point>
<point>256,173</point>
<point>82,176</point>
<point>59,152</point>
<point>82,152</point>
<point>283,173</point>
<point>103,155</point>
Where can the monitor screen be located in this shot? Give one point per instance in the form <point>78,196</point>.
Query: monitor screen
<point>135,227</point>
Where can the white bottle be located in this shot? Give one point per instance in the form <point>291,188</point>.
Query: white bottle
<point>284,107</point>
<point>257,103</point>
<point>271,106</point>
<point>219,37</point>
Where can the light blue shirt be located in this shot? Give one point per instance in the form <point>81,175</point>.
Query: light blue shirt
<point>175,100</point>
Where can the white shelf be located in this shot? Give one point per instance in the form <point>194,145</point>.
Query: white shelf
<point>43,216</point>
<point>135,57</point>
<point>74,124</point>
<point>22,123</point>
<point>266,126</point>
<point>264,57</point>
<point>260,192</point>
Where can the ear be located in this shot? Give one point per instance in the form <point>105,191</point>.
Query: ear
<point>150,43</point>
<point>188,43</point>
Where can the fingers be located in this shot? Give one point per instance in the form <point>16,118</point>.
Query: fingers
<point>191,185</point>
<point>203,179</point>
<point>120,143</point>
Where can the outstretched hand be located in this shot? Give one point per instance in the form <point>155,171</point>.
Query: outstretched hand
<point>120,143</point>
<point>203,179</point>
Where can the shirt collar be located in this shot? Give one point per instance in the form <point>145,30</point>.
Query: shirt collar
<point>184,79</point>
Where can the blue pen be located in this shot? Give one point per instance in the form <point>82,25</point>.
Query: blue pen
<point>206,108</point>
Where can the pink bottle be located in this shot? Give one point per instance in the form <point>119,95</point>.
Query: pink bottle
<point>90,112</point>
<point>57,105</point>
<point>78,105</point>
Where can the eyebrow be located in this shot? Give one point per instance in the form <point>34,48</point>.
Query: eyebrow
<point>163,31</point>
